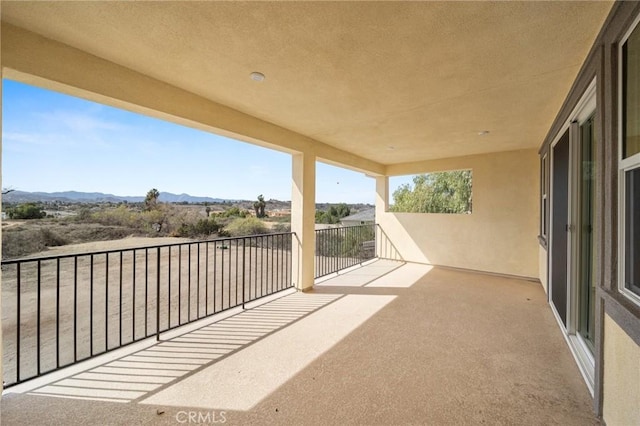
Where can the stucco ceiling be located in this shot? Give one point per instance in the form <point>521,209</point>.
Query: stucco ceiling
<point>392,82</point>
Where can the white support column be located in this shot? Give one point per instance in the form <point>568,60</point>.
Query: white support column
<point>303,218</point>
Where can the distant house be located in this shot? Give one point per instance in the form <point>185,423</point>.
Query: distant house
<point>364,217</point>
<point>279,213</point>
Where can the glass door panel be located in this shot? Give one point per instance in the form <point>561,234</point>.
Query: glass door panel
<point>586,264</point>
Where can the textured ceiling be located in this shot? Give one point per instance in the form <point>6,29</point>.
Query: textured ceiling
<point>421,77</point>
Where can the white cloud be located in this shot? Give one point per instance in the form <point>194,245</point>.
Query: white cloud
<point>79,121</point>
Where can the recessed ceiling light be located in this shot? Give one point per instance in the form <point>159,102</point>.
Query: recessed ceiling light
<point>257,76</point>
<point>483,133</point>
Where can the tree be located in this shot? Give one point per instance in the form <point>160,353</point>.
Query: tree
<point>444,192</point>
<point>26,211</point>
<point>259,206</point>
<point>151,200</point>
<point>333,214</point>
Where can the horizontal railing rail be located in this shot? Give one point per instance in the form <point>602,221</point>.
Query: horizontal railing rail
<point>59,310</point>
<point>342,247</point>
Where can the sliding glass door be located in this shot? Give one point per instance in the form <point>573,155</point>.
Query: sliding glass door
<point>585,269</point>
<point>573,223</point>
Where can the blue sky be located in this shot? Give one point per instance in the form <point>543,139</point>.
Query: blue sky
<point>54,142</point>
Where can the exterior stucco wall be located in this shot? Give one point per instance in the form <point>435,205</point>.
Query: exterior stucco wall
<point>500,235</point>
<point>621,376</point>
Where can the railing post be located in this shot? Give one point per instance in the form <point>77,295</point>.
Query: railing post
<point>244,252</point>
<point>158,295</point>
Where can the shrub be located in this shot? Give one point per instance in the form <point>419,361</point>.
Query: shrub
<point>281,227</point>
<point>246,226</point>
<point>52,239</point>
<point>26,211</point>
<point>203,227</point>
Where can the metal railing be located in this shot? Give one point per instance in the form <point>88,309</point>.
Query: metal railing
<point>60,310</point>
<point>343,247</point>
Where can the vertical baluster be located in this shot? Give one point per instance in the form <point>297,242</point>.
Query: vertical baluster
<point>169,290</point>
<point>58,313</point>
<point>91,307</point>
<point>236,241</point>
<point>250,266</point>
<point>106,302</point>
<point>229,279</point>
<point>18,293</point>
<point>222,276</point>
<point>189,285</point>
<point>75,308</point>
<point>206,278</point>
<point>244,269</point>
<point>120,302</point>
<point>198,283</point>
<point>146,292</point>
<point>38,317</point>
<point>158,294</point>
<point>180,284</point>
<point>215,277</point>
<point>133,303</point>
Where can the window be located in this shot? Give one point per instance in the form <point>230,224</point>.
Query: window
<point>439,192</point>
<point>629,179</point>
<point>544,203</point>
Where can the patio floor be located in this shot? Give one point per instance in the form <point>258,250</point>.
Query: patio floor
<point>386,343</point>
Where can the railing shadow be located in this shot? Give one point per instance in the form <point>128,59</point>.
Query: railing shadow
<point>142,373</point>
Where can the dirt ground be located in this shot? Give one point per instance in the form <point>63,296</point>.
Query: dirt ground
<point>109,299</point>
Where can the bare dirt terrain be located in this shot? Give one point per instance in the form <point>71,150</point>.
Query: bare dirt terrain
<point>93,302</point>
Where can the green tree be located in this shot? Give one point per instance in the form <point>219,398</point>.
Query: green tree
<point>151,200</point>
<point>259,206</point>
<point>444,192</point>
<point>333,214</point>
<point>26,211</point>
<point>232,212</point>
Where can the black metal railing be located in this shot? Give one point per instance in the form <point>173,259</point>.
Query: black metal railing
<point>343,247</point>
<point>60,310</point>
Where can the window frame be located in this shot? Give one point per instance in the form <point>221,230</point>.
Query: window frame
<point>624,165</point>
<point>544,197</point>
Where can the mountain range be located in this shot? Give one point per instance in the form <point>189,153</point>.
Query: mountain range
<point>96,197</point>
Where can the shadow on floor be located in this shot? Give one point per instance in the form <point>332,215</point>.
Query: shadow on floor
<point>387,343</point>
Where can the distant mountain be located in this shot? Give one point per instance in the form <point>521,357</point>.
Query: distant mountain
<point>96,197</point>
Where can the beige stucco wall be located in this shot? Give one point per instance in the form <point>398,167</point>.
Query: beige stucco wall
<point>499,236</point>
<point>543,268</point>
<point>621,405</point>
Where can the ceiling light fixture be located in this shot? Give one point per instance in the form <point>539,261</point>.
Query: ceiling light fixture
<point>483,133</point>
<point>257,76</point>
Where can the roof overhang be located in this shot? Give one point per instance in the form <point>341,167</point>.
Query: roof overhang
<point>382,83</point>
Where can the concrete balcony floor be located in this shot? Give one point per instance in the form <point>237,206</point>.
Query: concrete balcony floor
<point>386,343</point>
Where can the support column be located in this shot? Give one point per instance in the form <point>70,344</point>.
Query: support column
<point>382,194</point>
<point>382,203</point>
<point>303,218</point>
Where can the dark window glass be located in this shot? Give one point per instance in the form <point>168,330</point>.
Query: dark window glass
<point>632,231</point>
<point>631,94</point>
